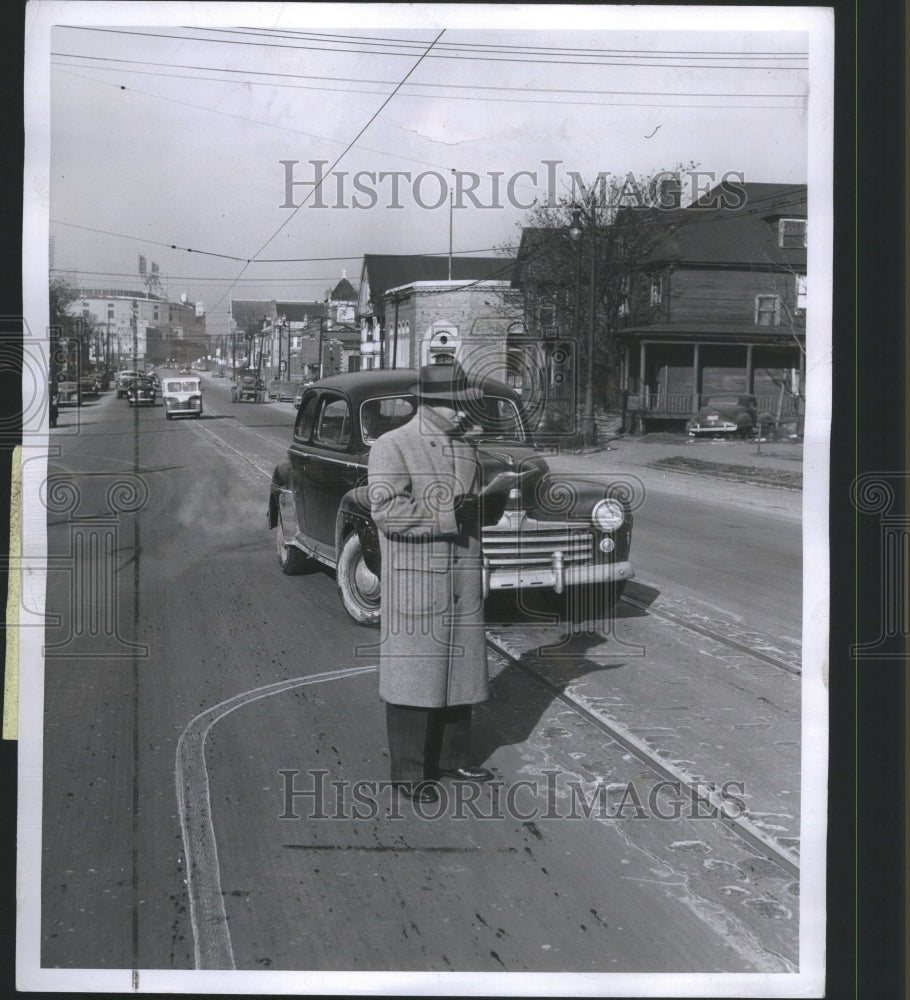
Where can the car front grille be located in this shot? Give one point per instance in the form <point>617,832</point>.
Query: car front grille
<point>511,549</point>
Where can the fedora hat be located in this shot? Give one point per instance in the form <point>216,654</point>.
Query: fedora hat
<point>445,382</point>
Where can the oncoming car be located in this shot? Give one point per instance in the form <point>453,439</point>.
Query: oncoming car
<point>564,533</point>
<point>141,391</point>
<point>123,381</point>
<point>182,396</point>
<point>725,414</point>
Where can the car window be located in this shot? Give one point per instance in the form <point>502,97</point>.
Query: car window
<point>501,418</point>
<point>303,428</point>
<point>378,416</point>
<point>333,426</point>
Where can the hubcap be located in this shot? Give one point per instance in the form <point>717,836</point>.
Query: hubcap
<point>366,583</point>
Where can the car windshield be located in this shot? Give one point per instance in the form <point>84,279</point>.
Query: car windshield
<point>182,386</point>
<point>499,417</point>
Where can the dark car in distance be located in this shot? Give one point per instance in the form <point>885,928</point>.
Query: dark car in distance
<point>726,415</point>
<point>141,391</point>
<point>562,533</point>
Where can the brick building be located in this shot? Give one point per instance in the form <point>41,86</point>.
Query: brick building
<point>409,309</point>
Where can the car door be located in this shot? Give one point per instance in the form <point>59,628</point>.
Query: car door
<point>328,468</point>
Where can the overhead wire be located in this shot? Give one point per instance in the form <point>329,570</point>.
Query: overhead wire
<point>581,59</point>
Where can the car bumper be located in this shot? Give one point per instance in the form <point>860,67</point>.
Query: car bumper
<point>556,576</point>
<point>724,427</point>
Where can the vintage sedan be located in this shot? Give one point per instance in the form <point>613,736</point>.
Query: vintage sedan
<point>566,534</point>
<point>68,393</point>
<point>123,380</point>
<point>725,415</point>
<point>141,391</point>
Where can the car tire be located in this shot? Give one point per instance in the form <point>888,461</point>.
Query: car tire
<point>358,586</point>
<point>291,560</point>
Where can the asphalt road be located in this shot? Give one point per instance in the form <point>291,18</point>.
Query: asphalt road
<point>197,701</point>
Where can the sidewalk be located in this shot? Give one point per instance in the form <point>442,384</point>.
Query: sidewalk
<point>777,463</point>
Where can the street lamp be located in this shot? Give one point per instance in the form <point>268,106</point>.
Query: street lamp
<point>581,221</point>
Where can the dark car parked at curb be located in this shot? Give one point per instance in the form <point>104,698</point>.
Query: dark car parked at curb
<point>141,391</point>
<point>566,534</point>
<point>728,414</point>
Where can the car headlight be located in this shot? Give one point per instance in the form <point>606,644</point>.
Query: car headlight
<point>607,515</point>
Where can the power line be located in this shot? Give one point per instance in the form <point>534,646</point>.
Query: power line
<point>367,80</point>
<point>350,145</point>
<point>719,53</point>
<point>458,53</point>
<point>457,97</point>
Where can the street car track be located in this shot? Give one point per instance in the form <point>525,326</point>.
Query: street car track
<point>719,637</point>
<point>740,825</point>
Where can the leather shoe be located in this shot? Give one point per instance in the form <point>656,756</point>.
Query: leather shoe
<point>467,773</point>
<point>424,791</point>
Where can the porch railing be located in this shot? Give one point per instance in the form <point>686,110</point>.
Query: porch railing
<point>685,404</point>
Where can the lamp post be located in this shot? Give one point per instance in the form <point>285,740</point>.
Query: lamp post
<point>582,221</point>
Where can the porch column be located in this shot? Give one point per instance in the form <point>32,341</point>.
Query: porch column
<point>749,368</point>
<point>695,406</point>
<point>641,377</point>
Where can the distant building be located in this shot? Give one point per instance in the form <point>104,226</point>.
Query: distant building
<point>723,297</point>
<point>284,338</point>
<point>410,310</point>
<point>126,326</point>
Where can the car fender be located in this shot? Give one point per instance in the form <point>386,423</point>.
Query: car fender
<point>282,482</point>
<point>354,514</point>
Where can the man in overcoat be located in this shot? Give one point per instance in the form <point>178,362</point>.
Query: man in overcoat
<point>424,480</point>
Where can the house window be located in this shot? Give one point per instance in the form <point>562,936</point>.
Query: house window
<point>767,310</point>
<point>791,233</point>
<point>657,289</point>
<point>801,292</point>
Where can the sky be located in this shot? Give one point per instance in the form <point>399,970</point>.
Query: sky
<point>173,129</point>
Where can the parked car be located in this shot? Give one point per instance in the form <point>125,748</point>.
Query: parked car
<point>182,396</point>
<point>281,390</point>
<point>726,414</point>
<point>68,393</point>
<point>123,381</point>
<point>248,387</point>
<point>562,533</point>
<point>141,391</point>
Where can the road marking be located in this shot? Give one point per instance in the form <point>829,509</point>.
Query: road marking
<point>208,918</point>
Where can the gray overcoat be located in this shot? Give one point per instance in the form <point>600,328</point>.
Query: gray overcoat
<point>433,645</point>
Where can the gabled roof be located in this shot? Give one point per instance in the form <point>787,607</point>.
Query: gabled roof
<point>247,312</point>
<point>539,245</point>
<point>344,291</point>
<point>743,231</point>
<point>294,312</point>
<point>384,271</point>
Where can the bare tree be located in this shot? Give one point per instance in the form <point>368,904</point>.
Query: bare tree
<point>578,259</point>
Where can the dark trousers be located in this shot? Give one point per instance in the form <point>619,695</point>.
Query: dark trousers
<point>423,740</point>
